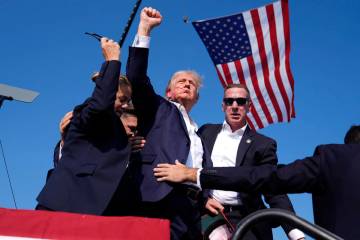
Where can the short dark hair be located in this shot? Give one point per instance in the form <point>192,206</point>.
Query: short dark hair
<point>123,81</point>
<point>353,135</point>
<point>237,85</point>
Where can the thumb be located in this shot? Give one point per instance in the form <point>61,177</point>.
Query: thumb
<point>177,162</point>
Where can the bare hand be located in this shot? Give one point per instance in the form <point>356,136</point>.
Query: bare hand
<point>64,123</point>
<point>137,143</point>
<point>110,49</point>
<point>174,172</point>
<point>214,206</point>
<point>149,18</point>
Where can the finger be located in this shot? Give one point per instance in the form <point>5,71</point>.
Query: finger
<point>159,170</point>
<point>147,10</point>
<point>162,179</point>
<point>157,14</point>
<point>69,114</point>
<point>153,12</point>
<point>177,162</point>
<point>160,174</point>
<point>103,40</point>
<point>137,141</point>
<point>214,211</point>
<point>163,165</point>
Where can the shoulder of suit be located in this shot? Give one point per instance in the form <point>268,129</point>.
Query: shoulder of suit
<point>208,127</point>
<point>263,137</point>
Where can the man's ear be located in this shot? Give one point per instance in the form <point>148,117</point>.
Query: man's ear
<point>250,105</point>
<point>168,93</point>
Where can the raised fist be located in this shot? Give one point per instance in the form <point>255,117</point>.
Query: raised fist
<point>149,18</point>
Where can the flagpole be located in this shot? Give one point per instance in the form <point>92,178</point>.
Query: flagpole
<point>129,22</point>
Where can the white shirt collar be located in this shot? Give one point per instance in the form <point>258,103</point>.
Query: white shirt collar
<point>186,116</point>
<point>226,128</point>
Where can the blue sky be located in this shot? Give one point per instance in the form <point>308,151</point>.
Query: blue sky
<point>43,48</point>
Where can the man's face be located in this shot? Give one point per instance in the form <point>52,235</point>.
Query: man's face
<point>235,113</point>
<point>123,99</point>
<point>183,89</point>
<point>130,124</point>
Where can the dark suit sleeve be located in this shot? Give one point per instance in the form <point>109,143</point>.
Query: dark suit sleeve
<point>144,97</point>
<point>297,177</point>
<point>56,154</point>
<point>102,99</point>
<point>281,201</point>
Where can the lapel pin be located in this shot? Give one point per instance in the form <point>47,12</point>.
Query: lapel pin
<point>248,141</point>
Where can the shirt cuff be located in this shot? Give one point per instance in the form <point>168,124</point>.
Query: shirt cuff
<point>296,234</point>
<point>198,178</point>
<point>141,41</point>
<point>60,150</point>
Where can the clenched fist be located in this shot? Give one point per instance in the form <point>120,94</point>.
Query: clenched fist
<point>149,18</point>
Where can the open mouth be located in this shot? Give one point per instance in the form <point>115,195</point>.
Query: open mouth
<point>235,115</point>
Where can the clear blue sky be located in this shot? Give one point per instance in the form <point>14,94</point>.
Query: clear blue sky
<point>43,48</point>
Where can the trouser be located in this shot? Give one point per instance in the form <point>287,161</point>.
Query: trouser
<point>182,208</point>
<point>260,231</point>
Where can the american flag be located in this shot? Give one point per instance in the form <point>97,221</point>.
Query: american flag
<point>253,48</point>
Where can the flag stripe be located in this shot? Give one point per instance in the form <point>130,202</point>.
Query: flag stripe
<point>281,42</point>
<point>264,63</point>
<point>220,74</point>
<point>256,109</point>
<point>227,74</point>
<point>264,19</point>
<point>250,122</point>
<point>285,13</point>
<point>255,84</point>
<point>256,72</point>
<point>233,72</point>
<point>276,58</point>
<point>240,72</point>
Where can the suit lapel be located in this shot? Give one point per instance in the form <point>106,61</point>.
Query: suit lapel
<point>182,120</point>
<point>244,145</point>
<point>210,140</point>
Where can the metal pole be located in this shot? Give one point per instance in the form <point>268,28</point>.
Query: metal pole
<point>129,22</point>
<point>279,214</point>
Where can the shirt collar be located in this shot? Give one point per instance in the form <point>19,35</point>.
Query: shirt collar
<point>226,128</point>
<point>185,115</point>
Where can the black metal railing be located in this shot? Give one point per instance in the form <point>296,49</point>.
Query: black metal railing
<point>281,215</point>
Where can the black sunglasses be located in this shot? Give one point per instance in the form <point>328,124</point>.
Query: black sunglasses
<point>94,35</point>
<point>239,101</point>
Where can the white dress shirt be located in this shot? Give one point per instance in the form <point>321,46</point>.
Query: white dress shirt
<point>195,157</point>
<point>224,155</point>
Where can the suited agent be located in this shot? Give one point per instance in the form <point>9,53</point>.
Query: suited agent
<point>331,175</point>
<point>96,152</point>
<point>232,144</point>
<point>170,134</point>
<point>123,108</point>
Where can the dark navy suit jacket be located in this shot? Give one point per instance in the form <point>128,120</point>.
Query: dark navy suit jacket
<point>254,150</point>
<point>95,155</point>
<point>332,175</point>
<point>162,125</point>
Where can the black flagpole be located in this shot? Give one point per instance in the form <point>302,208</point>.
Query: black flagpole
<point>128,25</point>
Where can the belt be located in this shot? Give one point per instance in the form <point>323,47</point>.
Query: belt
<point>190,191</point>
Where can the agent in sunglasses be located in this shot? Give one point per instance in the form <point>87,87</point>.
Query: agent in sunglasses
<point>233,143</point>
